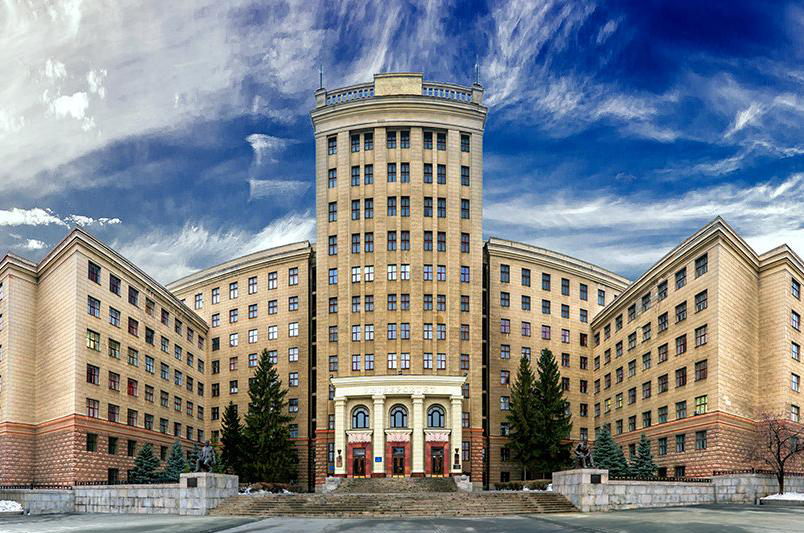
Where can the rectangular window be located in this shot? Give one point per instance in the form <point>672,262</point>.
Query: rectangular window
<point>332,213</point>
<point>428,140</point>
<point>368,141</point>
<point>441,174</point>
<point>355,142</point>
<point>332,178</point>
<point>465,209</point>
<point>441,141</point>
<point>332,145</point>
<point>133,296</point>
<point>391,172</point>
<point>700,336</point>
<point>464,142</point>
<point>681,278</point>
<point>701,404</point>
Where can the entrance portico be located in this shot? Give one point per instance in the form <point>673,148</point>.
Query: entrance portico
<point>398,425</point>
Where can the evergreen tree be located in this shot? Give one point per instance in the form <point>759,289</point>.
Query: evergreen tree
<point>145,466</point>
<point>272,455</point>
<point>232,440</point>
<point>174,465</point>
<point>608,455</point>
<point>522,438</point>
<point>643,465</point>
<point>552,421</point>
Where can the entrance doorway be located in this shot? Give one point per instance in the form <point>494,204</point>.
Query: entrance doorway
<point>359,462</point>
<point>437,461</point>
<point>398,454</point>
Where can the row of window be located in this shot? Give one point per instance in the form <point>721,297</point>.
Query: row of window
<point>234,287</point>
<point>701,337</point>
<point>404,242</point>
<point>400,301</point>
<point>403,273</point>
<point>681,376</point>
<point>646,300</point>
<point>403,332</point>
<point>133,356</point>
<point>546,331</point>
<point>253,311</point>
<point>391,141</point>
<point>148,420</point>
<point>391,175</point>
<point>293,357</point>
<point>115,287</point>
<point>429,361</point>
<point>505,302</point>
<point>131,449</point>
<point>253,336</point>
<point>583,288</point>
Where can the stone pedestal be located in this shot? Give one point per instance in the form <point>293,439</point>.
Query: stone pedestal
<point>585,488</point>
<point>201,491</point>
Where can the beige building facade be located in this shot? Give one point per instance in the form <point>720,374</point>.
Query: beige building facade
<point>399,332</point>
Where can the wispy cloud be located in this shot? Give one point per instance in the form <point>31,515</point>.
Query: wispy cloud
<point>279,189</point>
<point>628,232</point>
<point>170,255</point>
<point>45,217</point>
<point>266,146</point>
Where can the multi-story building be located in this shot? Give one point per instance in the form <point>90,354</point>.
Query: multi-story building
<point>398,334</point>
<point>96,358</point>
<point>253,303</point>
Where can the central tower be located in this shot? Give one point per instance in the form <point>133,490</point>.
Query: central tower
<point>399,271</point>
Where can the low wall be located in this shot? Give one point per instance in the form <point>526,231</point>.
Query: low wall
<point>160,498</point>
<point>41,501</point>
<point>611,495</point>
<point>195,494</point>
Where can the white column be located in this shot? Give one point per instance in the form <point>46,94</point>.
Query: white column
<point>456,434</point>
<point>379,434</point>
<point>340,434</point>
<point>417,438</point>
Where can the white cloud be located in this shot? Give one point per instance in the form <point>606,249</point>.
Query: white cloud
<point>606,31</point>
<point>83,221</point>
<point>169,256</point>
<point>265,146</point>
<point>95,79</point>
<point>631,231</point>
<point>744,118</point>
<point>54,69</point>
<point>282,189</point>
<point>29,217</point>
<point>74,105</point>
<point>33,244</point>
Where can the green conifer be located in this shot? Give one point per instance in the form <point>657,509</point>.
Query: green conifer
<point>608,455</point>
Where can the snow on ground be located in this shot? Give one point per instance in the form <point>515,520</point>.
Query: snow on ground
<point>7,506</point>
<point>790,496</point>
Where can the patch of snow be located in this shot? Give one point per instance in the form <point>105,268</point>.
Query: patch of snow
<point>789,496</point>
<point>7,506</point>
<point>549,488</point>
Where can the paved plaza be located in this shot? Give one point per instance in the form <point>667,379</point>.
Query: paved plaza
<point>703,519</point>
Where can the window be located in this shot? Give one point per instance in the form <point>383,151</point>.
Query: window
<point>333,276</point>
<point>546,332</point>
<point>505,351</point>
<point>701,404</point>
<point>681,376</point>
<point>114,284</point>
<point>662,382</point>
<point>662,412</point>
<point>332,145</point>
<point>133,296</point>
<point>132,387</point>
<point>441,361</point>
<point>465,180</point>
<point>333,212</point>
<point>355,176</point>
<point>93,340</point>
<point>681,278</point>
<point>680,443</point>
<point>216,295</point>
<point>662,322</point>
<point>332,178</point>
<point>565,336</point>
<point>435,417</point>
<point>681,344</point>
<point>441,174</point>
<point>399,417</point>
<point>700,370</point>
<point>391,172</point>
<point>795,351</point>
<point>368,141</point>
<point>233,290</point>
<point>404,172</point>
<point>505,403</point>
<point>92,441</point>
<point>700,336</point>
<point>700,440</point>
<point>465,209</point>
<point>441,141</point>
<point>355,142</point>
<point>701,301</point>
<point>94,272</point>
<point>442,208</point>
<point>293,379</point>
<point>701,265</point>
<point>795,320</point>
<point>795,289</point>
<point>646,390</point>
<point>428,140</point>
<point>360,418</point>
<point>795,413</point>
<point>93,307</point>
<point>93,375</point>
<point>601,297</point>
<point>464,142</point>
<point>681,410</point>
<point>795,381</point>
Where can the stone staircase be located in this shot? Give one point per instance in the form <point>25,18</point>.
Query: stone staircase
<point>422,504</point>
<point>406,485</point>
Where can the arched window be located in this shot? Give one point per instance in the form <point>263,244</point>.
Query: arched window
<point>399,417</point>
<point>360,417</point>
<point>435,417</point>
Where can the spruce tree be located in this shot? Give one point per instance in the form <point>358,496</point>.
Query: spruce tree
<point>608,455</point>
<point>145,466</point>
<point>192,459</point>
<point>232,440</point>
<point>174,465</point>
<point>643,465</point>
<point>552,421</point>
<point>272,455</point>
<point>522,438</point>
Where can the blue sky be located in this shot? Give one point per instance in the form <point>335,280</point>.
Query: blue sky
<point>179,132</point>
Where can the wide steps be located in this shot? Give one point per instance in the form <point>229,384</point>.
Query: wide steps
<point>396,485</point>
<point>374,505</point>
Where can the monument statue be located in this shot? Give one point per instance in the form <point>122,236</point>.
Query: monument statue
<point>206,459</point>
<point>583,455</point>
